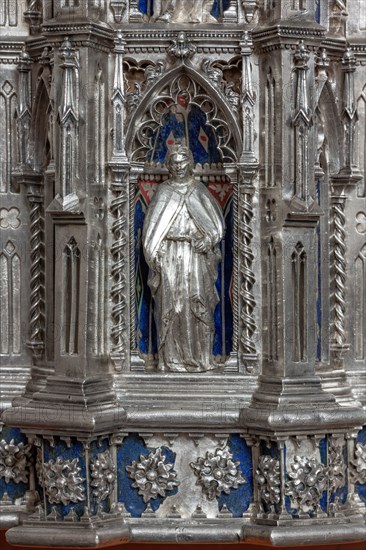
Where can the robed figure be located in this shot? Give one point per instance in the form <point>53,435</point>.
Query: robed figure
<point>183,11</point>
<point>182,230</point>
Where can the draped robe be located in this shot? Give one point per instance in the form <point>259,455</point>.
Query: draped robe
<point>182,280</point>
<point>184,11</point>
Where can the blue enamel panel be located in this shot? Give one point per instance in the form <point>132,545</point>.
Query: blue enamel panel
<point>133,446</point>
<point>216,9</point>
<point>223,316</point>
<point>271,450</point>
<point>14,490</point>
<point>239,500</point>
<point>361,437</point>
<point>76,450</point>
<point>143,6</point>
<point>192,128</point>
<point>317,10</point>
<point>323,458</point>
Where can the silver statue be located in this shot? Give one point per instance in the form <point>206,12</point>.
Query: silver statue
<point>183,11</point>
<point>182,230</point>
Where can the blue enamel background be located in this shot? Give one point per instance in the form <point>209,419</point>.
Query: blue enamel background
<point>223,315</point>
<point>134,446</point>
<point>239,500</point>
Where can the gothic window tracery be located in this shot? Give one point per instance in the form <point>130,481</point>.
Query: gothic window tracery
<point>299,267</point>
<point>71,290</point>
<point>10,277</point>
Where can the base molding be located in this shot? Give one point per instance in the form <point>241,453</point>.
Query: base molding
<point>301,534</point>
<point>94,534</point>
<point>99,534</point>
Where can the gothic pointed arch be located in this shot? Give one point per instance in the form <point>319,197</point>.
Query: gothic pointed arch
<point>184,95</point>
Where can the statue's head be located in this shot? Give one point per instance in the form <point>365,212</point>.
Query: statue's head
<point>179,162</point>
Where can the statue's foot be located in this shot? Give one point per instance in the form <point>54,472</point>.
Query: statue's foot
<point>176,367</point>
<point>166,18</point>
<point>162,367</point>
<point>208,18</point>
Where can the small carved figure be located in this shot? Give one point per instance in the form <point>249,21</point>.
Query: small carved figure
<point>181,47</point>
<point>183,11</point>
<point>232,97</point>
<point>153,72</point>
<point>215,74</point>
<point>181,233</point>
<point>133,98</point>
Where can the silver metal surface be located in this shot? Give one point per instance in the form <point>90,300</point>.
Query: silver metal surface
<point>182,230</point>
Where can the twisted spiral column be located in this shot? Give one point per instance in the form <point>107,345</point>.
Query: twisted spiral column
<point>36,337</point>
<point>119,251</point>
<point>235,304</point>
<point>339,245</point>
<point>133,342</point>
<point>247,278</point>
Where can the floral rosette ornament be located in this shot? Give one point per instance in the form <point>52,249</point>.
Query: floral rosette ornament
<point>152,475</point>
<point>269,480</point>
<point>308,481</point>
<point>103,473</point>
<point>337,468</point>
<point>61,481</point>
<point>14,458</point>
<point>358,470</point>
<point>217,473</point>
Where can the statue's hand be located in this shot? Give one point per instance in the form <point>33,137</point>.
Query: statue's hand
<point>203,245</point>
